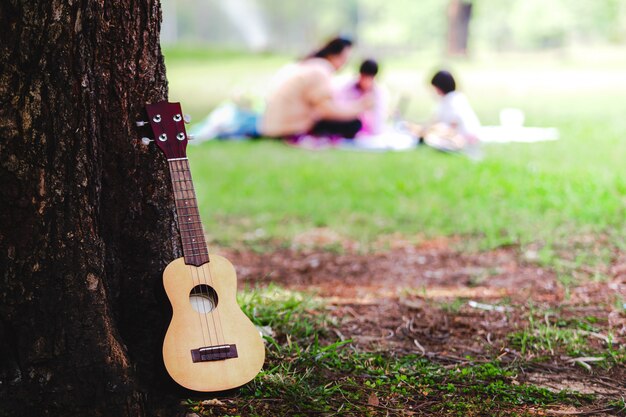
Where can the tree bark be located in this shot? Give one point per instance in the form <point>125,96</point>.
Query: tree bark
<point>459,15</point>
<point>87,219</point>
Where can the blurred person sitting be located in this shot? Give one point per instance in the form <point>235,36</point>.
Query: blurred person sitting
<point>454,126</point>
<point>301,100</point>
<point>373,118</point>
<point>236,118</point>
<point>375,133</point>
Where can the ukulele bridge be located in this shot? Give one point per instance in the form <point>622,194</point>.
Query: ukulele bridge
<point>214,353</point>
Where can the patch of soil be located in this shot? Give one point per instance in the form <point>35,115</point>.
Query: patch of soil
<point>415,298</point>
<point>438,271</point>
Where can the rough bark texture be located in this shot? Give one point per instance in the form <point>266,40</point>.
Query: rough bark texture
<point>459,15</point>
<point>86,212</point>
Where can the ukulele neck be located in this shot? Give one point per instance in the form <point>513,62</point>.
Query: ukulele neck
<point>192,236</point>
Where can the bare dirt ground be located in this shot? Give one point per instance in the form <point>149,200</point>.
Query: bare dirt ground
<point>422,298</point>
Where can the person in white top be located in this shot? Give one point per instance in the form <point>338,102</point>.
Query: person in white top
<point>300,100</point>
<point>454,108</point>
<point>455,125</point>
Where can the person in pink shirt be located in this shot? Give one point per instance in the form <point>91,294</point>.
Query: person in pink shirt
<point>373,118</point>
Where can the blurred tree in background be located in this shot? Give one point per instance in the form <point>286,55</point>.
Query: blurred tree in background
<point>459,15</point>
<point>396,26</point>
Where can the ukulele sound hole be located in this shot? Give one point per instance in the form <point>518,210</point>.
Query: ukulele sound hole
<point>203,298</point>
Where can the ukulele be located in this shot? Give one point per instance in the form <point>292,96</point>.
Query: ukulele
<point>210,344</point>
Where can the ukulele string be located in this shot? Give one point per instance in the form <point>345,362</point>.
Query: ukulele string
<point>195,251</point>
<point>182,211</point>
<point>179,184</point>
<point>184,164</point>
<point>176,185</point>
<point>217,312</point>
<point>209,282</point>
<point>214,301</point>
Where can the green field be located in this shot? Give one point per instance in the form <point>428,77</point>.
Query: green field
<point>259,191</point>
<point>559,197</point>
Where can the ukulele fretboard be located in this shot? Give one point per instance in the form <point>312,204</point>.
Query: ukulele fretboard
<point>189,224</point>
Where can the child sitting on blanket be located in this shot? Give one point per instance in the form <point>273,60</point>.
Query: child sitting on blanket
<point>454,126</point>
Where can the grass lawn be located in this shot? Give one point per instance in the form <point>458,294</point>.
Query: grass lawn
<point>562,202</point>
<point>519,193</point>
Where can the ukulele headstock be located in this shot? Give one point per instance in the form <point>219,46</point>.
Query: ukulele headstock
<point>168,127</point>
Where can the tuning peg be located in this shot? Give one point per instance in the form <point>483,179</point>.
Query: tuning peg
<point>191,137</point>
<point>187,118</point>
<point>146,141</point>
<point>141,123</point>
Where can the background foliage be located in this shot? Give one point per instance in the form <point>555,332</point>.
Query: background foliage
<point>396,26</point>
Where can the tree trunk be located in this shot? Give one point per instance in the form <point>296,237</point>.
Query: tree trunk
<point>87,219</point>
<point>459,15</point>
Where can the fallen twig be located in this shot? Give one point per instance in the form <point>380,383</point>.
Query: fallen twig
<point>583,361</point>
<point>598,336</point>
<point>488,307</point>
<point>420,347</point>
<point>339,335</point>
<point>578,413</point>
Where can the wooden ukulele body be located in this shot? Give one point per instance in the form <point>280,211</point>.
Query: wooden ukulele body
<point>224,325</point>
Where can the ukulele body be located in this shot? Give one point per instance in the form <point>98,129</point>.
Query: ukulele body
<point>201,341</point>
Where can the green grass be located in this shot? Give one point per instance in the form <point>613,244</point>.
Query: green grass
<point>547,196</point>
<point>547,334</point>
<point>309,371</point>
<point>260,191</point>
<point>277,192</point>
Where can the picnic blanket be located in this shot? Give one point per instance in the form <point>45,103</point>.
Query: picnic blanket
<point>522,134</point>
<point>229,121</point>
<point>389,140</point>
